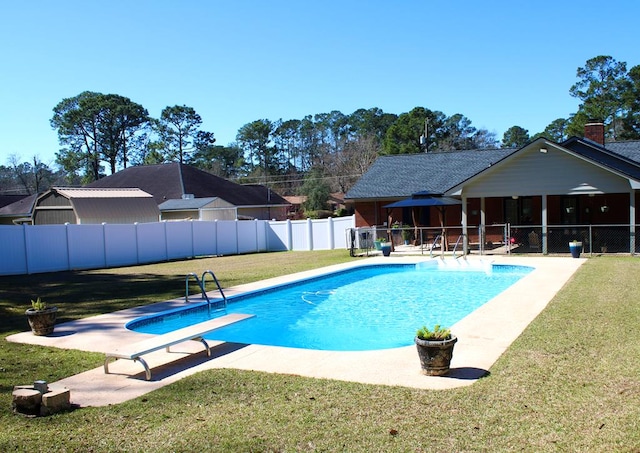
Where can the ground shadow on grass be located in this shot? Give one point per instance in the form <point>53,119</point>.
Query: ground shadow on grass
<point>467,373</point>
<point>81,294</point>
<point>185,362</point>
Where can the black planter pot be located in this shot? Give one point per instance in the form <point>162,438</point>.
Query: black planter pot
<point>42,322</point>
<point>435,356</point>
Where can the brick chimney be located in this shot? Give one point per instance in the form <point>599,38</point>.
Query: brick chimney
<point>594,131</point>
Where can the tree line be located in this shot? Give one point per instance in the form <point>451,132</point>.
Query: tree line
<point>608,92</point>
<point>325,151</point>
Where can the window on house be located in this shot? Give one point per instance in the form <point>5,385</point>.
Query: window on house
<point>569,210</point>
<point>511,211</point>
<point>518,211</point>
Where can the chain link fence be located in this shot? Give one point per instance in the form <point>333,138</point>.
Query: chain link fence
<point>493,239</point>
<point>595,239</point>
<point>411,240</point>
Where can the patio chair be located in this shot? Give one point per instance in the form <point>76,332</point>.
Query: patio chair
<point>534,241</point>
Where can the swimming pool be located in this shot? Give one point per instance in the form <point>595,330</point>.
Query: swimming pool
<point>364,308</point>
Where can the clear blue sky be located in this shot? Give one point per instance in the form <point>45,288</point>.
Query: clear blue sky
<point>499,63</point>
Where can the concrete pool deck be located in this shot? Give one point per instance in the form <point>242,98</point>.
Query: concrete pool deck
<point>482,338</point>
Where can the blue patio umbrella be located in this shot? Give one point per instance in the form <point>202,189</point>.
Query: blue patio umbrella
<point>418,200</point>
<point>426,199</point>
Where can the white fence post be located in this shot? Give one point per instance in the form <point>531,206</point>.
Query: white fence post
<point>332,239</point>
<point>166,240</point>
<point>104,243</point>
<point>193,239</point>
<point>255,223</point>
<point>66,235</point>
<point>135,227</point>
<point>309,235</point>
<point>237,237</point>
<point>26,253</point>
<point>215,234</point>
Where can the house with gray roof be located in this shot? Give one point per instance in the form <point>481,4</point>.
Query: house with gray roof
<point>558,191</point>
<point>185,192</point>
<point>18,210</point>
<point>181,192</point>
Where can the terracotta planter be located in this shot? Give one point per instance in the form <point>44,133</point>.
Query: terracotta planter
<point>42,322</point>
<point>435,356</point>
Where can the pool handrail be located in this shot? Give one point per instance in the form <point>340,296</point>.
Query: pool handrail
<point>186,283</point>
<point>202,291</point>
<point>455,247</point>
<point>204,284</point>
<point>433,245</point>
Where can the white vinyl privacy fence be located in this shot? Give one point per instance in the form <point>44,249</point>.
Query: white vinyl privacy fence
<point>28,249</point>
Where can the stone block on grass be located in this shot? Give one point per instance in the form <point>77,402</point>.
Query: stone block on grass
<point>54,401</point>
<point>27,401</point>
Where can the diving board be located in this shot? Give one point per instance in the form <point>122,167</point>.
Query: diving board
<point>134,351</point>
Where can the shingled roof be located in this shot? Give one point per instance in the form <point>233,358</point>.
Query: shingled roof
<point>6,200</point>
<point>172,181</point>
<point>400,176</point>
<point>629,149</point>
<point>628,163</point>
<point>22,207</point>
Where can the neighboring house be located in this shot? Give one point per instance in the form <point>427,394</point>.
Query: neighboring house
<point>296,211</point>
<point>184,192</point>
<point>582,181</point>
<point>61,205</point>
<point>19,211</point>
<point>336,201</point>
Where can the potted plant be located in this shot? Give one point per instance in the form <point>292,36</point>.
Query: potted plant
<point>575,247</point>
<point>41,317</point>
<point>378,243</point>
<point>407,234</point>
<point>386,248</point>
<point>435,349</point>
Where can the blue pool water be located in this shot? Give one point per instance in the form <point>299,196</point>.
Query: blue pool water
<point>364,308</point>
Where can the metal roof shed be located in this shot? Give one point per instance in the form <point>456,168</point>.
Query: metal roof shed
<point>92,206</point>
<point>210,208</point>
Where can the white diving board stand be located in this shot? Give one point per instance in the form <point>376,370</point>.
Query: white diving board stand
<point>195,332</point>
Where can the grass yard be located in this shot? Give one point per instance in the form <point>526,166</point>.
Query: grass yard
<point>570,382</point>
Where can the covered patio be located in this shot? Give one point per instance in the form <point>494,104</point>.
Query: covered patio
<point>558,193</point>
<point>535,199</point>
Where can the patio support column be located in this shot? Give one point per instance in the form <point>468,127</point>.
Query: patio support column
<point>465,236</point>
<point>632,221</point>
<point>482,229</point>
<point>545,243</point>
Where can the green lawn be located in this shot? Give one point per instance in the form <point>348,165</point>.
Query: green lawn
<point>570,382</point>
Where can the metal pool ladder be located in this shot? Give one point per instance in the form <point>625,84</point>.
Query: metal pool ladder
<point>455,247</point>
<point>202,285</point>
<point>433,245</point>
